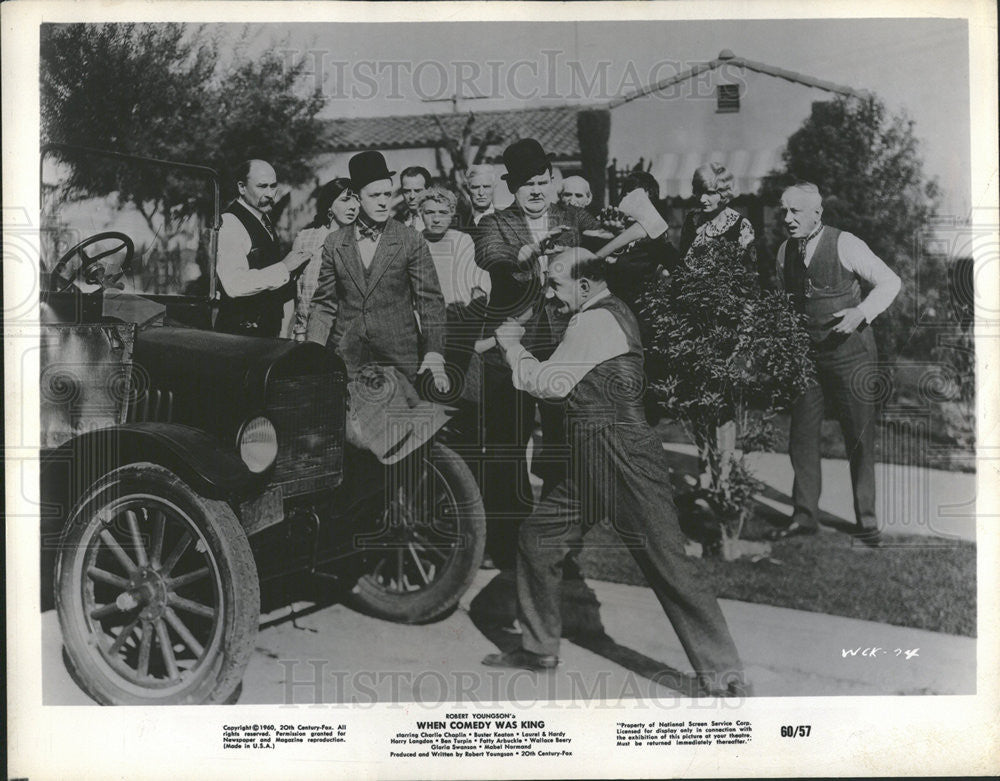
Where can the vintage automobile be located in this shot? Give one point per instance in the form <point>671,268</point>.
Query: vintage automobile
<point>182,468</point>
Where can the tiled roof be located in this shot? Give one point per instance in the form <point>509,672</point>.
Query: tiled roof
<point>554,128</point>
<point>727,58</point>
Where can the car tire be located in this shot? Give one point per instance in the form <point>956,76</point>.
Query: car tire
<point>429,546</point>
<point>156,591</point>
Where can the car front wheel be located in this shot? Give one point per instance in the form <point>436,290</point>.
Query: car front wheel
<point>428,543</point>
<point>156,592</point>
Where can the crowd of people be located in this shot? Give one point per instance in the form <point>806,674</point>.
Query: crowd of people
<point>541,300</point>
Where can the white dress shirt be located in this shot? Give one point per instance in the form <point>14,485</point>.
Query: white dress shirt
<point>856,257</point>
<point>232,268</point>
<point>366,246</point>
<point>415,221</point>
<point>593,336</point>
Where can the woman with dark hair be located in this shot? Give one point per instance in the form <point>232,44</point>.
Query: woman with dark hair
<point>712,184</point>
<point>337,205</point>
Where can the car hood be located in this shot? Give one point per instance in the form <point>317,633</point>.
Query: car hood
<point>219,379</point>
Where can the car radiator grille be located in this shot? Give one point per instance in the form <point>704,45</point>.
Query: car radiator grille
<point>308,413</point>
<point>151,406</point>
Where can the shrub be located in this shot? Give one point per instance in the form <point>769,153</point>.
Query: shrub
<point>721,346</point>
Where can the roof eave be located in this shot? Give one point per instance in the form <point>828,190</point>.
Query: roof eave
<point>758,67</point>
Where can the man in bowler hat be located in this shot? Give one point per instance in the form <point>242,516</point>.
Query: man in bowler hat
<point>374,275</point>
<point>513,244</point>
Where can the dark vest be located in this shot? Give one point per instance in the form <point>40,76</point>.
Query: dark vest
<point>261,313</point>
<point>611,392</point>
<point>827,286</point>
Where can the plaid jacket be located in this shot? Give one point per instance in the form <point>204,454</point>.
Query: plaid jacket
<point>499,238</point>
<point>371,316</point>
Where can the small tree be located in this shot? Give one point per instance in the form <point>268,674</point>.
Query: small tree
<point>724,347</point>
<point>161,90</point>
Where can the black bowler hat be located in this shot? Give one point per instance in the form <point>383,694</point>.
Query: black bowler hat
<point>524,159</point>
<point>367,167</point>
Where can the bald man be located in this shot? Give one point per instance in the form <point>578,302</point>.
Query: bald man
<point>576,192</point>
<point>480,182</point>
<point>617,472</point>
<point>257,284</point>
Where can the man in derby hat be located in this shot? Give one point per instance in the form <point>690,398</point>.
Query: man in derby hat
<point>513,245</point>
<point>375,276</point>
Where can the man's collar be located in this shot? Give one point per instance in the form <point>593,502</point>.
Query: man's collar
<point>366,226</point>
<point>594,299</point>
<point>430,238</point>
<point>813,233</point>
<point>252,209</point>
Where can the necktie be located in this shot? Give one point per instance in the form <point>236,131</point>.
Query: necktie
<point>795,268</point>
<point>268,226</point>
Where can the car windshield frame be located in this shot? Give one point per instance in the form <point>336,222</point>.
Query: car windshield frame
<point>211,174</point>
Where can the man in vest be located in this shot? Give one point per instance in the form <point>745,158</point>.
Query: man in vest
<point>617,471</point>
<point>256,281</point>
<point>820,267</point>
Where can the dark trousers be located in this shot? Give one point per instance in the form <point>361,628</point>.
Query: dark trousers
<point>845,377</point>
<point>619,472</point>
<point>508,420</point>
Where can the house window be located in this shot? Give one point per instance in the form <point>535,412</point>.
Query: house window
<point>728,98</point>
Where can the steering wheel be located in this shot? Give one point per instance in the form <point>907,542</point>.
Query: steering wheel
<point>88,261</point>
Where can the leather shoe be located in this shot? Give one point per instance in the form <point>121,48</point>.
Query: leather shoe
<point>520,659</point>
<point>870,540</point>
<point>794,529</point>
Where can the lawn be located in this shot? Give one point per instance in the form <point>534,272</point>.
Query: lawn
<point>921,582</point>
<point>917,582</point>
<point>898,440</point>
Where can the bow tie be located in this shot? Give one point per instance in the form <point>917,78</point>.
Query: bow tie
<point>370,230</point>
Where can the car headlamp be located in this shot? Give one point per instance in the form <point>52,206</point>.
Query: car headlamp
<point>258,443</point>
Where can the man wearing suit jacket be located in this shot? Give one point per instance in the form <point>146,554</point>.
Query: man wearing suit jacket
<point>374,274</point>
<point>513,245</point>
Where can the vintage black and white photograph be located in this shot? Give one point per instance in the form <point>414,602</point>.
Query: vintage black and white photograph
<point>322,413</point>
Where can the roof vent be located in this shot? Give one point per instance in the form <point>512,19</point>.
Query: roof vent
<point>727,54</point>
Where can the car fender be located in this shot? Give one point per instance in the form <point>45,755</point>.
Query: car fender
<point>201,460</point>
